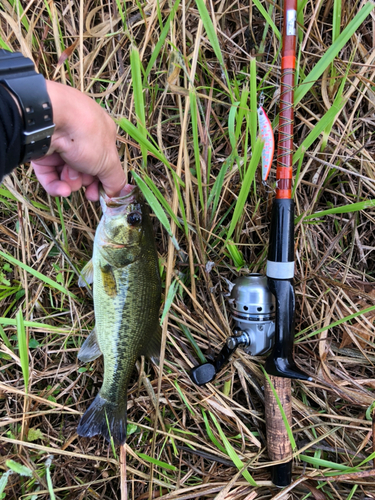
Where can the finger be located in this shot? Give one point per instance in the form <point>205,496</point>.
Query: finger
<point>113,179</point>
<point>50,160</point>
<point>71,177</point>
<point>50,179</point>
<point>58,188</point>
<point>127,189</point>
<point>87,179</point>
<point>92,191</point>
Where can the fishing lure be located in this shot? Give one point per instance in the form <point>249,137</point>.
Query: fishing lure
<point>266,134</point>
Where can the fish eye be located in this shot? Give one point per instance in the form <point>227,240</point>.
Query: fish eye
<point>134,219</point>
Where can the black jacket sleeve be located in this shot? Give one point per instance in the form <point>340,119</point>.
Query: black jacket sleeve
<point>10,133</point>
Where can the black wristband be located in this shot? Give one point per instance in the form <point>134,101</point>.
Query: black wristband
<point>18,74</point>
<point>10,133</point>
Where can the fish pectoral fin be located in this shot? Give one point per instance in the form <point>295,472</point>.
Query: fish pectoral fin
<point>90,349</point>
<point>152,350</point>
<point>109,280</point>
<point>87,274</point>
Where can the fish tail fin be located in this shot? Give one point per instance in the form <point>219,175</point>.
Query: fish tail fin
<point>105,418</point>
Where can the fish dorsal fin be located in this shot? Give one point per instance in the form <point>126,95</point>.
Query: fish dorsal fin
<point>87,274</point>
<point>109,281</point>
<point>90,349</point>
<point>152,349</point>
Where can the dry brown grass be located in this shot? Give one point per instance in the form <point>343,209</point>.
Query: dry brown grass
<point>334,277</point>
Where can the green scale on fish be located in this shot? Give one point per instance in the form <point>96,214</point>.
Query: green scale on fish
<point>127,294</point>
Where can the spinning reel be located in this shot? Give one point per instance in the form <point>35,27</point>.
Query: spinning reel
<point>253,309</point>
<point>262,321</point>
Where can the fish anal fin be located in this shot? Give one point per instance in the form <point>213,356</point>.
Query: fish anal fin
<point>87,275</point>
<point>152,349</point>
<point>105,418</point>
<point>90,349</point>
<point>109,281</point>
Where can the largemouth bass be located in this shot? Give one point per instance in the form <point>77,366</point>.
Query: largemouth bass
<point>127,293</point>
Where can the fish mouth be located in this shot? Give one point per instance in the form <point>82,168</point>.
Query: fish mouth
<point>115,245</point>
<point>131,195</point>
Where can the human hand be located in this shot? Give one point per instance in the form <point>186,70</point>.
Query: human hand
<point>83,147</point>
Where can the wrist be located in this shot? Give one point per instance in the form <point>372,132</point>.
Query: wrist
<point>28,89</point>
<point>67,114</point>
<point>14,98</point>
<point>61,105</point>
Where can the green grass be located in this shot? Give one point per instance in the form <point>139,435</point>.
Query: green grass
<point>187,114</point>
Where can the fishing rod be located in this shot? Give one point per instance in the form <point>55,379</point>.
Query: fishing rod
<point>280,267</point>
<point>263,307</point>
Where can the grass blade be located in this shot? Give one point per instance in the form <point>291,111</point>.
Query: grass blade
<point>49,479</point>
<point>332,52</point>
<point>23,348</point>
<point>155,206</point>
<point>37,274</point>
<point>243,110</point>
<point>130,129</point>
<point>319,462</point>
<point>335,323</point>
<point>218,185</point>
<point>236,255</point>
<point>60,209</point>
<point>284,417</point>
<point>183,397</point>
<point>163,36</point>
<point>20,469</point>
<point>4,46</point>
<point>211,31</point>
<point>244,192</point>
<point>154,461</point>
<point>232,453</point>
<point>31,324</point>
<point>135,64</point>
<point>194,123</point>
<point>345,209</point>
<point>5,338</point>
<point>211,434</point>
<point>319,128</point>
<point>212,36</point>
<point>4,482</point>
<point>195,346</point>
<point>169,300</point>
<point>336,26</point>
<point>253,103</point>
<point>161,199</point>
<point>267,17</point>
<point>231,131</point>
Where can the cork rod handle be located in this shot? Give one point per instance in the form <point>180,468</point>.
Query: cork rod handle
<point>278,443</point>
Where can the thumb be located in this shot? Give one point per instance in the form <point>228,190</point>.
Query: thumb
<point>113,179</point>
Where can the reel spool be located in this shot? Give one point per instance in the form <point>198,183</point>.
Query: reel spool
<point>253,311</point>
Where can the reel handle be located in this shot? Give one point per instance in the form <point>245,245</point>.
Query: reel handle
<point>206,372</point>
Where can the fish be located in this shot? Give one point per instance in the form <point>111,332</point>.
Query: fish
<point>124,271</point>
